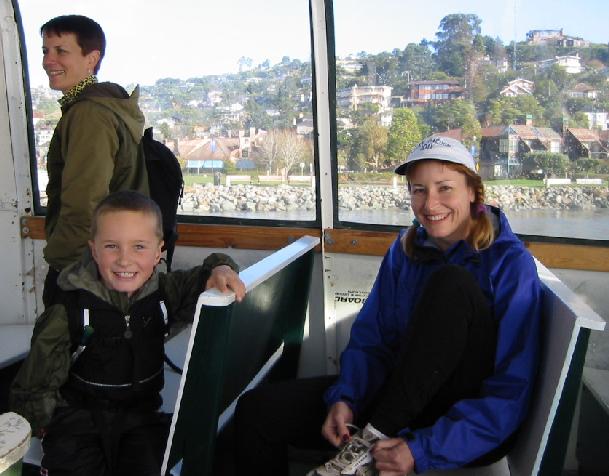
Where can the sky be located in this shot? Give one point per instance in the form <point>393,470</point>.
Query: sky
<point>189,38</point>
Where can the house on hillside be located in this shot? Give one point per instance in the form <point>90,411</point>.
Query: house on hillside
<point>502,148</point>
<point>572,42</point>
<point>518,87</point>
<point>456,134</point>
<point>543,37</point>
<point>349,65</point>
<point>536,139</point>
<point>353,97</point>
<point>357,95</point>
<point>583,90</point>
<point>555,38</point>
<point>490,158</point>
<point>585,143</point>
<point>304,126</point>
<point>571,63</point>
<point>598,120</point>
<point>424,91</point>
<point>209,154</point>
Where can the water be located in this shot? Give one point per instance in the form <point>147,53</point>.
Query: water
<point>585,224</point>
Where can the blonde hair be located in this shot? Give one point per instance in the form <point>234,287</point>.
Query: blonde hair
<point>128,201</point>
<point>482,233</point>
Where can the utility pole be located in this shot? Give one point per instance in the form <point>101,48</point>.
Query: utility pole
<point>515,37</point>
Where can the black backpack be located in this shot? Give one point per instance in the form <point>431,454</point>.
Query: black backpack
<point>166,187</point>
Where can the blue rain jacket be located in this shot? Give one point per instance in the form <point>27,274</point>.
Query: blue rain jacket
<point>507,275</point>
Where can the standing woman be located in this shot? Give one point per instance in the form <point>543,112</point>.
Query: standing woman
<point>442,357</point>
<point>94,149</point>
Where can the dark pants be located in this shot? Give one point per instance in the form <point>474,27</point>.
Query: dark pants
<point>81,442</point>
<point>50,292</point>
<point>448,350</point>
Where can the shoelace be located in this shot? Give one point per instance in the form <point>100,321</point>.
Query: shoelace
<point>355,449</point>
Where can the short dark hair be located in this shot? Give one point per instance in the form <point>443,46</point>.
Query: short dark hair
<point>89,35</point>
<point>128,201</point>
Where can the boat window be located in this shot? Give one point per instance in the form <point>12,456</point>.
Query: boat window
<point>226,85</point>
<point>525,87</point>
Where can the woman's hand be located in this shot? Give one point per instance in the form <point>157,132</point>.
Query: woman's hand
<point>223,278</point>
<point>393,457</point>
<point>335,428</point>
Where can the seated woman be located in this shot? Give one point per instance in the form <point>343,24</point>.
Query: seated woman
<point>442,357</point>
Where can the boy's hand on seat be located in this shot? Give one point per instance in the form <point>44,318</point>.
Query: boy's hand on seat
<point>223,278</point>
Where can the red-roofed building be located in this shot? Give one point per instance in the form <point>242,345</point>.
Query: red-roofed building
<point>502,148</point>
<point>422,92</point>
<point>585,143</point>
<point>456,134</point>
<point>209,153</point>
<point>583,90</point>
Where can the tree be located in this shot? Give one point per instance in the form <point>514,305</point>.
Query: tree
<point>269,150</point>
<point>363,112</point>
<point>509,110</point>
<point>550,99</point>
<point>369,145</point>
<point>586,165</point>
<point>404,134</point>
<point>344,140</point>
<point>164,129</point>
<point>285,101</point>
<point>579,119</point>
<point>493,48</point>
<point>292,149</point>
<point>387,68</point>
<point>551,163</point>
<point>416,62</point>
<point>257,116</point>
<point>574,105</point>
<point>455,42</point>
<point>454,114</point>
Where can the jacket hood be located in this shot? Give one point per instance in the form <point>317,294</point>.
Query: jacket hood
<point>84,275</point>
<point>115,98</point>
<point>426,250</point>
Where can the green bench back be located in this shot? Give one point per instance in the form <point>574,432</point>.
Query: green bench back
<point>231,342</point>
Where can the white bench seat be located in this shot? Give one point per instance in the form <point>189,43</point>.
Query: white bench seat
<point>14,343</point>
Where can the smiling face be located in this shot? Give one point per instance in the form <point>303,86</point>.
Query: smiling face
<point>126,248</point>
<point>64,61</point>
<point>441,200</point>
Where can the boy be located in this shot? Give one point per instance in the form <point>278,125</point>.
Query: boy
<point>90,384</point>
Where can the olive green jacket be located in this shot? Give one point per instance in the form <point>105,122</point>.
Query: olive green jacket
<point>93,152</point>
<point>35,392</point>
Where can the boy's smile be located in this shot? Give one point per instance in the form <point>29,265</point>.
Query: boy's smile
<point>126,249</point>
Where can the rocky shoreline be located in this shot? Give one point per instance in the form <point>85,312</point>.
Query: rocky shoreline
<point>200,199</point>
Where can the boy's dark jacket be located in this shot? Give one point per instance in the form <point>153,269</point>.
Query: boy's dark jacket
<point>35,393</point>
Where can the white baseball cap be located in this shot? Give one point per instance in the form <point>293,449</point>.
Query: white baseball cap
<point>439,148</point>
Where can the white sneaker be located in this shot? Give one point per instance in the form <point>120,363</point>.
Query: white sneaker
<point>353,459</point>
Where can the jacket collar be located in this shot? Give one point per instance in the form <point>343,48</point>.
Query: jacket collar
<point>76,90</point>
<point>84,275</point>
<point>425,250</point>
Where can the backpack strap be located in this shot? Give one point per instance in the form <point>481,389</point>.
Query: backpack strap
<point>75,317</point>
<point>165,316</point>
<point>168,322</point>
<point>79,324</point>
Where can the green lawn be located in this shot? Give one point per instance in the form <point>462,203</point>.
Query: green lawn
<point>378,179</point>
<point>200,179</point>
<point>516,182</point>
